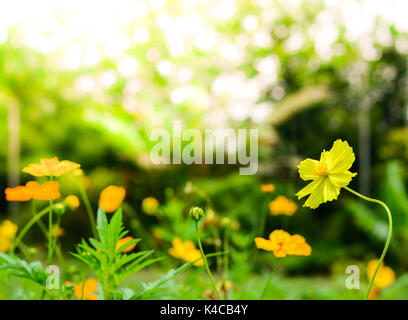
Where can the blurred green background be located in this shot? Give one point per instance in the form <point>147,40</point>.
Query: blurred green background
<point>88,81</point>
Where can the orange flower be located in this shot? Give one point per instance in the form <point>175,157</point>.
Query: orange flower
<point>186,251</point>
<point>33,190</point>
<point>72,201</point>
<point>283,244</point>
<point>282,205</point>
<point>20,193</point>
<point>85,289</point>
<point>46,191</point>
<point>268,188</point>
<point>111,198</point>
<point>49,167</point>
<point>385,275</point>
<point>123,241</point>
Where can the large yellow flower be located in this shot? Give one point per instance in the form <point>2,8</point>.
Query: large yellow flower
<point>283,244</point>
<point>328,175</point>
<point>53,166</point>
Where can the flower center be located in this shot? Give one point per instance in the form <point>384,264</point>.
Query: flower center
<point>320,169</point>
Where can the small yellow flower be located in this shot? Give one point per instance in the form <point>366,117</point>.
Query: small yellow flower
<point>283,244</point>
<point>385,275</point>
<point>85,289</point>
<point>328,175</point>
<point>123,241</point>
<point>49,167</point>
<point>111,198</point>
<point>282,205</point>
<point>186,251</point>
<point>268,188</point>
<point>8,232</point>
<point>72,201</point>
<point>150,205</point>
<point>57,231</point>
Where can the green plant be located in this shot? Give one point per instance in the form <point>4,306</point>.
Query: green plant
<point>110,264</point>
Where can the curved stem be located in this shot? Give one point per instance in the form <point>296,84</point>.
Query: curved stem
<point>205,262</point>
<point>39,222</point>
<point>27,227</point>
<point>50,243</point>
<point>387,243</point>
<point>268,282</point>
<point>89,210</point>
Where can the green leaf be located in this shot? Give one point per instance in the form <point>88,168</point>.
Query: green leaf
<point>101,223</point>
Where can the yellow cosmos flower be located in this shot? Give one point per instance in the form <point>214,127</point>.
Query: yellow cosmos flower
<point>53,166</point>
<point>186,251</point>
<point>85,289</point>
<point>283,244</point>
<point>111,198</point>
<point>385,275</point>
<point>267,188</point>
<point>282,205</point>
<point>72,202</point>
<point>150,205</point>
<point>8,232</point>
<point>328,175</point>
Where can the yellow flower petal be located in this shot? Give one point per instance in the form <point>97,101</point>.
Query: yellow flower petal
<point>341,180</point>
<point>309,188</point>
<point>340,157</point>
<point>264,244</point>
<point>49,167</point>
<point>324,192</point>
<point>306,169</point>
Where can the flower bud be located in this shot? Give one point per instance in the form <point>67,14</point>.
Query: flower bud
<point>196,213</point>
<point>59,209</point>
<point>32,252</point>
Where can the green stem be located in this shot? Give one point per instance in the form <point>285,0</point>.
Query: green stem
<point>226,256</point>
<point>268,282</point>
<point>387,243</point>
<point>262,223</point>
<point>260,230</point>
<point>205,262</point>
<point>50,243</point>
<point>225,261</point>
<point>56,232</point>
<point>28,226</point>
<point>89,210</point>
<point>39,222</point>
